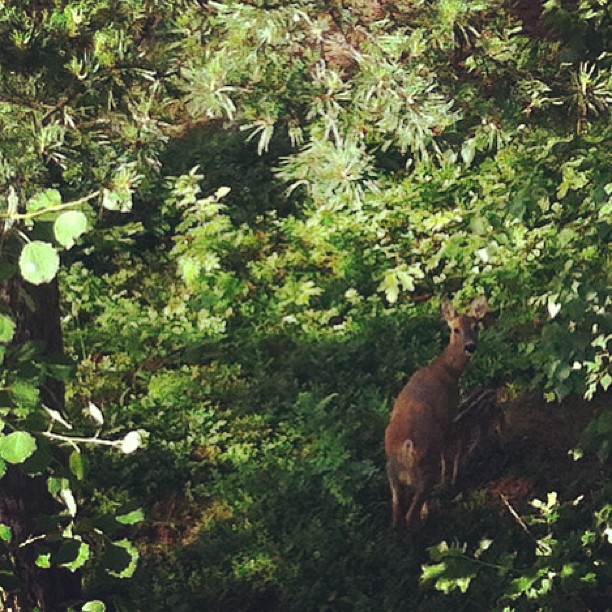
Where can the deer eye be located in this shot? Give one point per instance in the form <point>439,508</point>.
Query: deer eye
<point>457,330</point>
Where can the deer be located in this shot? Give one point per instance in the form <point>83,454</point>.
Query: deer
<point>420,430</point>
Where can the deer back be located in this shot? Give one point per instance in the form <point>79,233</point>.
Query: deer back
<point>423,411</point>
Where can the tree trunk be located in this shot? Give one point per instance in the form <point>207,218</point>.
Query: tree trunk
<point>24,499</point>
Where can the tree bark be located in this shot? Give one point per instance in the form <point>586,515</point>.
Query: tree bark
<point>25,499</point>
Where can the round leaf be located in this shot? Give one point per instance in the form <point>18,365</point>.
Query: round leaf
<point>45,199</point>
<point>7,328</point>
<point>131,442</point>
<point>38,262</point>
<point>69,226</point>
<point>72,554</point>
<point>25,394</point>
<point>95,605</point>
<point>17,446</point>
<point>120,559</point>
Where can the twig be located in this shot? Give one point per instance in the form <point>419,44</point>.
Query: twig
<point>42,211</point>
<point>76,439</point>
<point>516,516</point>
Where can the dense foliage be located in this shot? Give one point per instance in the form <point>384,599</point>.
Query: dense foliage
<point>251,210</point>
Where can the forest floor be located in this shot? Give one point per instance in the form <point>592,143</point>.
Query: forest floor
<point>536,455</point>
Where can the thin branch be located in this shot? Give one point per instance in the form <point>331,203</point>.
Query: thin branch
<point>74,440</point>
<point>518,519</point>
<point>59,207</point>
<point>32,539</point>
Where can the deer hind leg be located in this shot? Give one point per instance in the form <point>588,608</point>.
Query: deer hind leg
<point>395,505</point>
<point>425,476</point>
<point>418,507</point>
<point>398,494</point>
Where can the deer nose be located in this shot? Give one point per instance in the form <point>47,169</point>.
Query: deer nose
<point>470,347</point>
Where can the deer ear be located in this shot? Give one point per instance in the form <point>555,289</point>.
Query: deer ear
<point>448,310</point>
<point>479,307</point>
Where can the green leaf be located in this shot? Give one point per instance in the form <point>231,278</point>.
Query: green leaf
<point>25,394</point>
<point>60,489</point>
<point>94,606</point>
<point>565,236</point>
<point>390,286</point>
<point>38,262</point>
<point>120,559</point>
<point>6,533</point>
<point>61,371</point>
<point>407,281</point>
<point>136,516</point>
<point>77,464</point>
<point>72,554</point>
<point>468,150</point>
<point>7,328</point>
<point>45,199</point>
<point>44,560</point>
<point>120,200</point>
<point>17,446</point>
<point>2,468</point>
<point>432,572</point>
<point>55,485</point>
<point>67,498</point>
<point>69,226</point>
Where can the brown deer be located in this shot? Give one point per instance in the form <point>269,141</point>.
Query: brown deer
<point>420,431</point>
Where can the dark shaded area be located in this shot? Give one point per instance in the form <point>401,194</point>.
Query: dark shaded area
<point>25,502</point>
<point>226,159</point>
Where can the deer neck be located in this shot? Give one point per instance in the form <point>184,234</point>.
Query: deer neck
<point>454,360</point>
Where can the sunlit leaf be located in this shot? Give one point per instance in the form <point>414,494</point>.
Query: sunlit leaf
<point>93,606</point>
<point>131,518</point>
<point>44,560</point>
<point>6,533</point>
<point>67,497</point>
<point>95,414</point>
<point>72,554</point>
<point>77,464</point>
<point>69,226</point>
<point>120,559</point>
<point>43,200</point>
<point>118,200</point>
<point>38,262</point>
<point>131,442</point>
<point>7,328</point>
<point>17,446</point>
